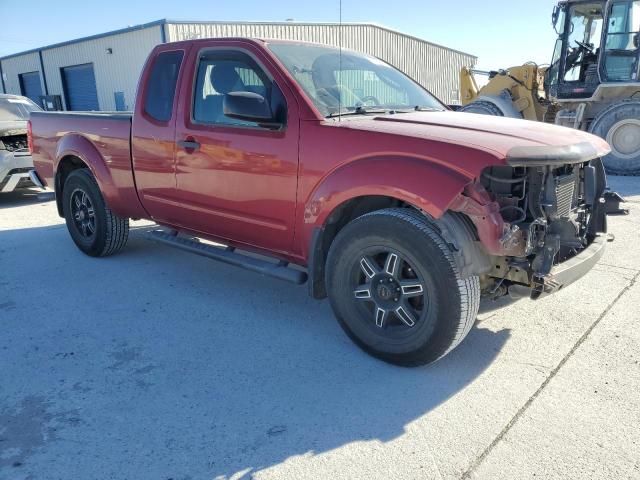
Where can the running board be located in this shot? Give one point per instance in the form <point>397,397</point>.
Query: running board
<point>280,270</point>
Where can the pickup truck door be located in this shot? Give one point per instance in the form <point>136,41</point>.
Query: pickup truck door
<point>235,179</point>
<point>153,131</point>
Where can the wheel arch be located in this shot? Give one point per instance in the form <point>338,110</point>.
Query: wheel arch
<point>356,189</point>
<point>67,164</point>
<point>77,151</point>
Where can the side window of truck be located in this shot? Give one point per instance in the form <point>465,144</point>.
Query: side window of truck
<point>220,73</point>
<point>161,86</point>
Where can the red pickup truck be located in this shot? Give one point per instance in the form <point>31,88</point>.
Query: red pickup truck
<point>336,168</point>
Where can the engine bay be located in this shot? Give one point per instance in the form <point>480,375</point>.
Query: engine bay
<point>556,211</point>
<point>14,143</point>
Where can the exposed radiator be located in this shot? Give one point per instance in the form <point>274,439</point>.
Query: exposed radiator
<point>565,191</point>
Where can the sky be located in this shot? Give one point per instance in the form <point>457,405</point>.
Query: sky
<point>501,33</point>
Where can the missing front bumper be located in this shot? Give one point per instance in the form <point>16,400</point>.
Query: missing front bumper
<point>571,270</point>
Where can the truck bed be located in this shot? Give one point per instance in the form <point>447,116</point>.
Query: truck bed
<point>109,132</point>
<point>104,135</point>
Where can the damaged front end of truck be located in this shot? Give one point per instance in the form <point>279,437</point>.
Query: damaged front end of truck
<point>541,219</point>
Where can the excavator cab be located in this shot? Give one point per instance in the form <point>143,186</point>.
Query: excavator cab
<point>598,42</point>
<point>592,84</point>
<point>574,67</point>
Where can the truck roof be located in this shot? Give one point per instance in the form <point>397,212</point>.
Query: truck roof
<point>255,40</point>
<point>578,1</point>
<point>10,95</point>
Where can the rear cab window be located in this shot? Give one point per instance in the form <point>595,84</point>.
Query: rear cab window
<point>161,85</point>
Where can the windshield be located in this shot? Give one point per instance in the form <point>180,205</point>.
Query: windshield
<point>585,31</point>
<point>351,82</point>
<point>622,45</point>
<point>12,109</point>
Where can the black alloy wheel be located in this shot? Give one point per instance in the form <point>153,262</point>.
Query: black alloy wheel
<point>391,290</point>
<point>396,289</point>
<point>84,215</point>
<point>94,228</point>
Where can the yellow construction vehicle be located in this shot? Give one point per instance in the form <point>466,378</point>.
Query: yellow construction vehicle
<point>518,91</point>
<point>592,84</point>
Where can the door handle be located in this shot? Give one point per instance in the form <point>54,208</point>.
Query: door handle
<point>189,144</point>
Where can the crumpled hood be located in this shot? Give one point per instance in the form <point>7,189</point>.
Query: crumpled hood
<point>506,137</point>
<point>13,127</point>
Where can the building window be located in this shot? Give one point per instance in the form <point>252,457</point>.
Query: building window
<point>121,105</point>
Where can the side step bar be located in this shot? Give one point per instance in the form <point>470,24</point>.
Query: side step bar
<point>279,270</point>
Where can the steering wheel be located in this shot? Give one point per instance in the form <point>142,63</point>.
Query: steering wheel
<point>589,48</point>
<point>370,98</point>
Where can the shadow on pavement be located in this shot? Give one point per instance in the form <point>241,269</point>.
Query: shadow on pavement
<point>625,186</point>
<point>187,367</point>
<point>25,196</point>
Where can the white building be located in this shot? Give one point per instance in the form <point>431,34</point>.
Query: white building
<point>101,72</point>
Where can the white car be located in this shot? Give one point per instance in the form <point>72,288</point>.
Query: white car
<point>15,160</point>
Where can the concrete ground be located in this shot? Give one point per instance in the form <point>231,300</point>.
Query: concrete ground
<point>154,364</point>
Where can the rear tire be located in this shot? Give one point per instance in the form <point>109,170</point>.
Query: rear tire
<point>619,125</point>
<point>396,290</point>
<point>94,228</point>
<point>482,107</point>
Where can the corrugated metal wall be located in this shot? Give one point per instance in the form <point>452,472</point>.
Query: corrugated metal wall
<point>115,72</point>
<point>12,67</point>
<point>435,67</point>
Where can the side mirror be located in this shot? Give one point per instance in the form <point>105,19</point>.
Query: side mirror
<point>250,107</point>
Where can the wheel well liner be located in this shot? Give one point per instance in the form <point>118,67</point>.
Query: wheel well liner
<point>323,236</point>
<point>66,165</point>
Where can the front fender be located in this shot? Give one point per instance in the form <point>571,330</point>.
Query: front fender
<point>426,185</point>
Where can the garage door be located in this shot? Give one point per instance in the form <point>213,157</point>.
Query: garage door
<point>30,86</point>
<point>80,87</point>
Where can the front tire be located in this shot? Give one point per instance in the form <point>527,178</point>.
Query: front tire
<point>482,107</point>
<point>94,228</point>
<point>396,290</point>
<point>619,125</point>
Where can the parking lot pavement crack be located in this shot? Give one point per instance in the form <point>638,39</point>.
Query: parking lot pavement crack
<point>480,459</point>
<point>631,269</point>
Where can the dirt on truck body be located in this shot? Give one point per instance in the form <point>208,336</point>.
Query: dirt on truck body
<point>339,171</point>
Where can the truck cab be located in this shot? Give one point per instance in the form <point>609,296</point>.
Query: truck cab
<point>199,168</point>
